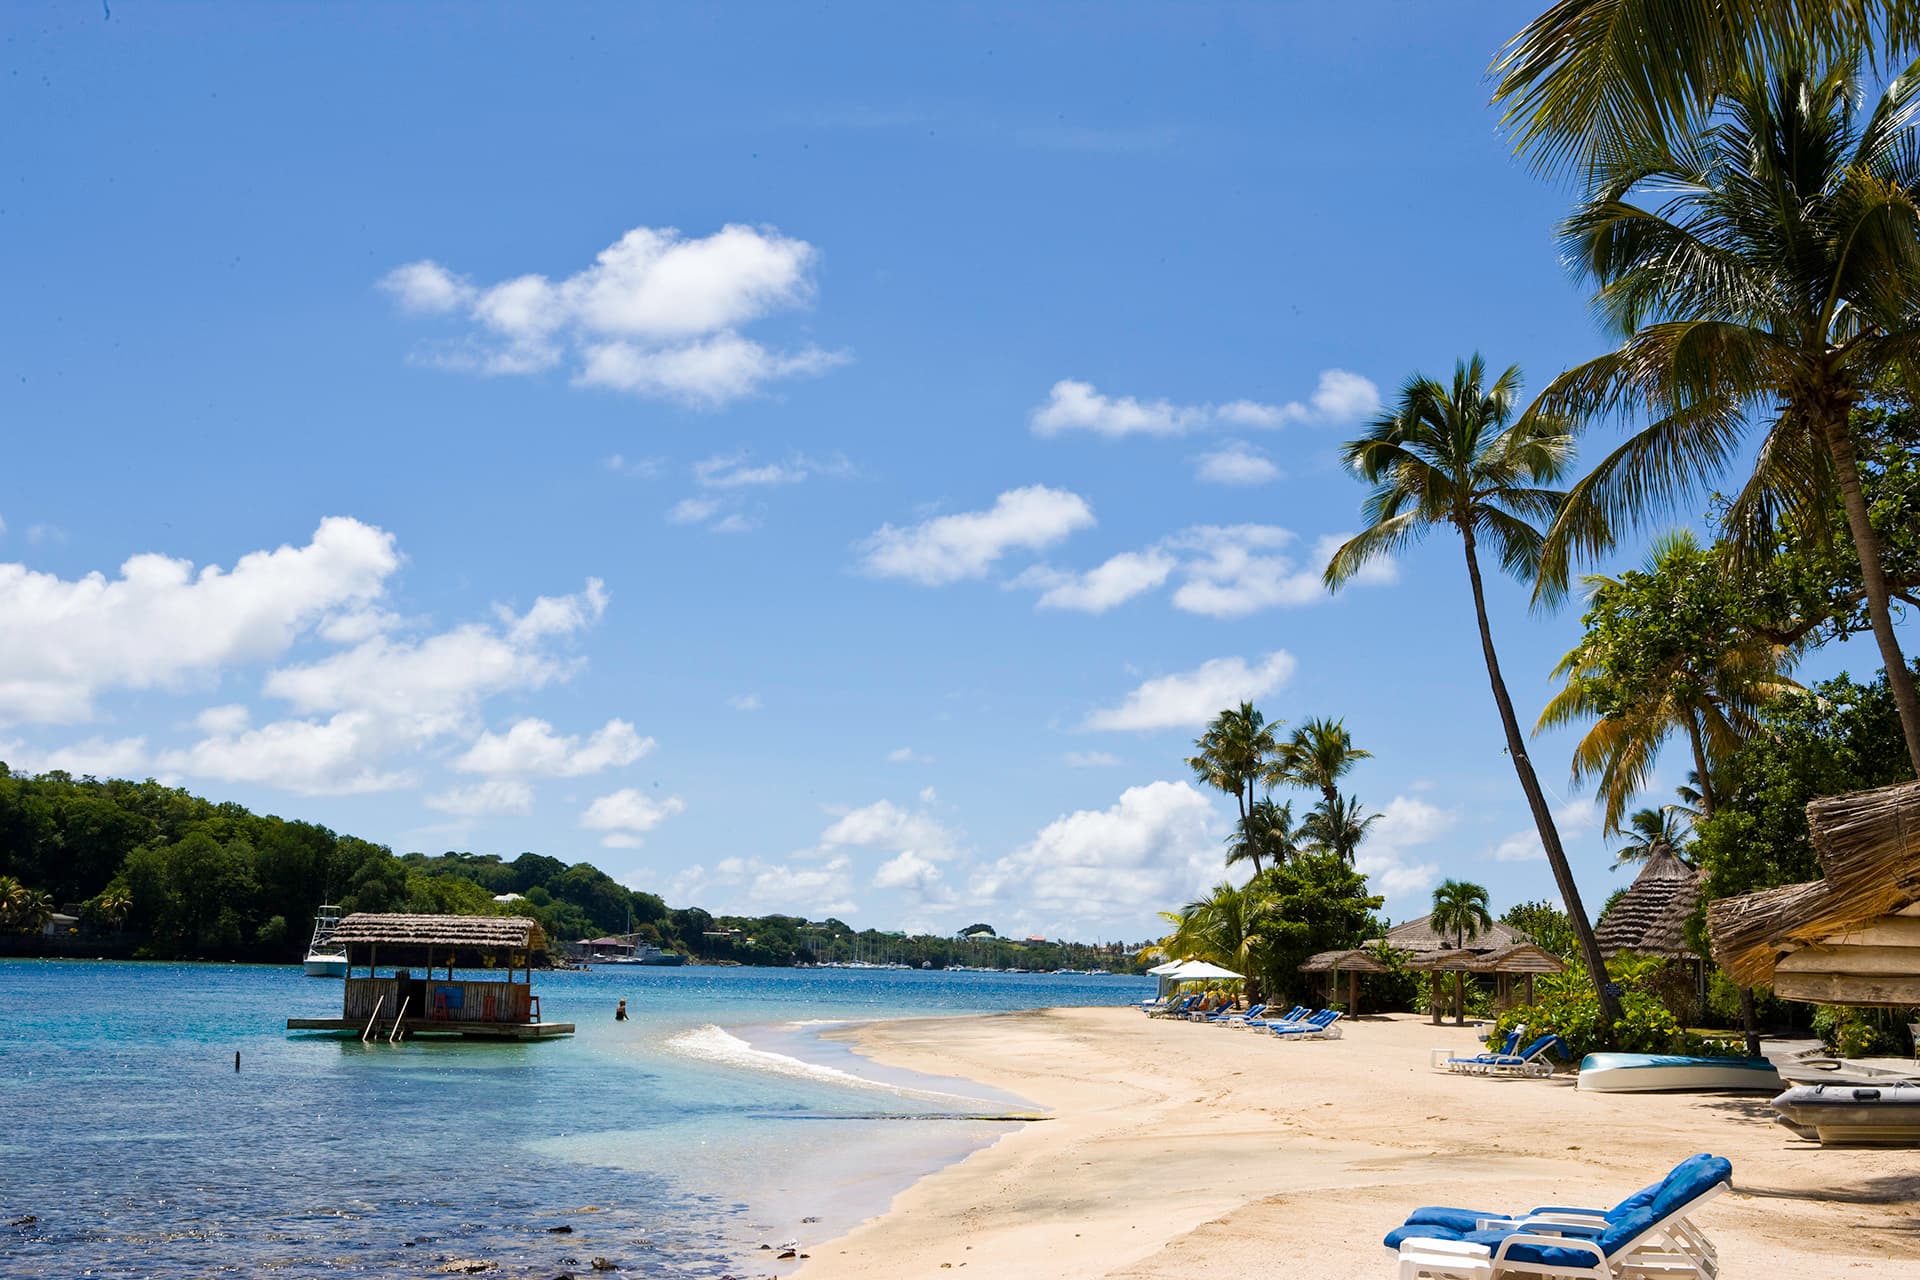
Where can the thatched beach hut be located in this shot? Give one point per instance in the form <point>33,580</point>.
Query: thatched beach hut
<point>1353,963</point>
<point>1500,949</point>
<point>400,1004</point>
<point>1852,937</point>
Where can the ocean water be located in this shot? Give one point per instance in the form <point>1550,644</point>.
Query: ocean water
<point>675,1144</point>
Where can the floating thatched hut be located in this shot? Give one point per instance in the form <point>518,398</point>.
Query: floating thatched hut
<point>400,1004</point>
<point>1852,937</point>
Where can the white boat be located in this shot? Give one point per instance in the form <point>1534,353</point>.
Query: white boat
<point>325,957</point>
<point>1674,1073</point>
<point>1853,1113</point>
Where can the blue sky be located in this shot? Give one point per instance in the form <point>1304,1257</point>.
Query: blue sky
<point>822,460</point>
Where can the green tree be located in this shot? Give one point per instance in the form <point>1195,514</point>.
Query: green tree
<point>1651,832</point>
<point>1455,456</point>
<point>1460,908</point>
<point>1337,826</point>
<point>1314,903</point>
<point>1222,928</point>
<point>1235,752</point>
<point>1319,754</point>
<point>1761,271</point>
<point>1266,832</point>
<point>1589,79</point>
<point>1546,924</point>
<point>1665,649</point>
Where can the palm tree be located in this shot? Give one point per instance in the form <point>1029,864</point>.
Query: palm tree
<point>1454,456</point>
<point>1653,831</point>
<point>1589,78</point>
<point>1337,827</point>
<point>1222,928</point>
<point>1460,908</point>
<point>1266,832</point>
<point>1665,650</point>
<point>1763,271</point>
<point>1318,755</point>
<point>1235,752</point>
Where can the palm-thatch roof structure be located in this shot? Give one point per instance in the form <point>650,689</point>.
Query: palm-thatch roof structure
<point>1419,936</point>
<point>442,933</point>
<point>1650,918</point>
<point>1353,963</point>
<point>1852,937</point>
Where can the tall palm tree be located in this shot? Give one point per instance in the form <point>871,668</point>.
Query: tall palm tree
<point>1460,908</point>
<point>1234,753</point>
<point>1318,755</point>
<point>1456,457</point>
<point>1763,273</point>
<point>1663,652</point>
<point>1338,826</point>
<point>1266,832</point>
<point>1652,832</point>
<point>1588,78</point>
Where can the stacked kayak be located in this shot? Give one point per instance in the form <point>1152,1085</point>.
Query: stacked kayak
<point>1854,1114</point>
<point>1674,1073</point>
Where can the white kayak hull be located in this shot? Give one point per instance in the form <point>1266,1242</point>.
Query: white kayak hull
<point>1853,1114</point>
<point>1673,1073</point>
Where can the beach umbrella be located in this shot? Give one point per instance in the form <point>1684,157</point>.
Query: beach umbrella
<point>1200,970</point>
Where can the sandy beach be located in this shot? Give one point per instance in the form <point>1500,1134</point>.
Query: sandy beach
<point>1182,1150</point>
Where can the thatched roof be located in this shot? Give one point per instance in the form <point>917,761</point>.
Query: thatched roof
<point>1419,936</point>
<point>1517,957</point>
<point>1651,916</point>
<point>480,933</point>
<point>1349,961</point>
<point>1868,843</point>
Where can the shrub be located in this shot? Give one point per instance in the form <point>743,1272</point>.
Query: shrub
<point>1858,1033</point>
<point>1566,1005</point>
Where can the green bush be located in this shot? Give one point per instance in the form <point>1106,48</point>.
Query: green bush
<point>1859,1033</point>
<point>1566,1005</point>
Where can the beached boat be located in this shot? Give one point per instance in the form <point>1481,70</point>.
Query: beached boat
<point>1853,1114</point>
<point>1674,1073</point>
<point>325,957</point>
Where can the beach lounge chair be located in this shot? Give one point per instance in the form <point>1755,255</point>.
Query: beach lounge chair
<point>1530,1061</point>
<point>1229,1018</point>
<point>1650,1233</point>
<point>1471,1065</point>
<point>1323,1025</point>
<point>1176,1009</point>
<point>1296,1014</point>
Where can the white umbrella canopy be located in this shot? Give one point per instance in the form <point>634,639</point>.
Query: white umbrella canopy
<point>1175,972</point>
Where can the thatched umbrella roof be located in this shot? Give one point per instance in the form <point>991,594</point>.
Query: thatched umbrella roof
<point>1450,960</point>
<point>1419,936</point>
<point>1868,843</point>
<point>1521,957</point>
<point>1651,916</point>
<point>442,933</point>
<point>1350,961</point>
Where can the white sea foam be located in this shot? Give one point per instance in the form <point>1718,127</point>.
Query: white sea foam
<point>715,1044</point>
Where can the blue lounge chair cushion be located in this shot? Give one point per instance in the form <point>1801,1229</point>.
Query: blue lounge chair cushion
<point>1421,1231</point>
<point>1617,1234</point>
<point>1460,1220</point>
<point>1689,1180</point>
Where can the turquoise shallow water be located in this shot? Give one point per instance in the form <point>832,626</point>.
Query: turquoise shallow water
<point>673,1144</point>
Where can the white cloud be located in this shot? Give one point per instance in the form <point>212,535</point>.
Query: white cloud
<point>735,523</point>
<point>1090,760</point>
<point>484,799</point>
<point>383,697</point>
<point>824,890</point>
<point>1106,586</point>
<point>639,468</point>
<point>530,747</point>
<point>907,870</point>
<point>907,755</point>
<point>1190,698</point>
<point>656,314</point>
<point>745,702</point>
<point>161,621</point>
<point>1072,405</point>
<point>1519,846</point>
<point>38,534</point>
<point>693,510</point>
<point>1575,819</point>
<point>626,815</point>
<point>740,471</point>
<point>336,756</point>
<point>885,825</point>
<point>1380,571</point>
<point>1236,570</point>
<point>1406,823</point>
<point>1235,463</point>
<point>1154,847</point>
<point>100,757</point>
<point>949,548</point>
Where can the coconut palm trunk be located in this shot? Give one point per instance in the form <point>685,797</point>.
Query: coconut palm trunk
<point>1873,579</point>
<point>1536,799</point>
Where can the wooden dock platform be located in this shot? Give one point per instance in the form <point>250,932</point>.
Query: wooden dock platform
<point>439,1027</point>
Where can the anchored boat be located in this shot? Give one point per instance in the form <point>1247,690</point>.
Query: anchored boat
<point>1854,1114</point>
<point>325,957</point>
<point>1674,1073</point>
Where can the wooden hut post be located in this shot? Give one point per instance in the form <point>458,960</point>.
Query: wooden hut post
<point>1433,1001</point>
<point>1529,988</point>
<point>1460,997</point>
<point>1353,992</point>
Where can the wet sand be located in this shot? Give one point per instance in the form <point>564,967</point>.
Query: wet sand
<point>1179,1150</point>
